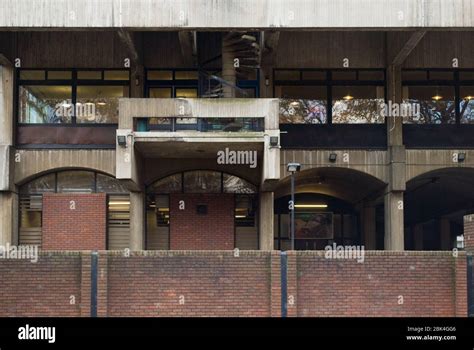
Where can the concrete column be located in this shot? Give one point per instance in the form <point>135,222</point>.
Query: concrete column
<point>445,234</point>
<point>228,69</point>
<point>137,221</point>
<point>368,228</point>
<point>394,233</point>
<point>418,236</point>
<point>8,218</point>
<point>266,219</point>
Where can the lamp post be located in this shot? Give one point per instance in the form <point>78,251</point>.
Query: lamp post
<point>292,168</point>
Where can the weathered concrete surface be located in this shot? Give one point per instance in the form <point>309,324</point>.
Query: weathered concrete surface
<point>205,14</point>
<point>31,163</point>
<point>8,217</point>
<point>266,221</point>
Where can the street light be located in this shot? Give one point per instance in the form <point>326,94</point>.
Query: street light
<point>292,168</point>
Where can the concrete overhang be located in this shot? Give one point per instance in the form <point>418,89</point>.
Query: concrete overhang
<point>236,14</point>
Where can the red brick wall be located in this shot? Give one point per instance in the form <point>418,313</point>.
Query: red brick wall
<point>83,228</point>
<point>427,281</point>
<point>191,284</point>
<point>469,233</point>
<point>43,288</point>
<point>214,231</point>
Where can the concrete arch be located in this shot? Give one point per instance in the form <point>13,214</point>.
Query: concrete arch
<point>33,163</point>
<point>345,183</point>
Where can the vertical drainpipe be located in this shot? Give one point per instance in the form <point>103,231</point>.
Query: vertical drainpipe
<point>470,286</point>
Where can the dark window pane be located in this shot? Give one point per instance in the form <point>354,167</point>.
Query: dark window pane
<point>43,184</point>
<point>287,75</point>
<point>170,184</point>
<point>234,184</point>
<point>59,75</point>
<point>202,182</point>
<point>371,75</point>
<point>89,75</point>
<point>344,75</point>
<point>116,75</point>
<point>467,104</point>
<point>314,75</point>
<point>76,181</point>
<point>436,104</point>
<point>414,75</point>
<point>99,104</point>
<point>108,184</point>
<point>440,75</point>
<point>303,111</point>
<point>32,75</point>
<point>466,75</point>
<point>45,104</point>
<point>160,75</point>
<point>245,208</point>
<point>358,104</point>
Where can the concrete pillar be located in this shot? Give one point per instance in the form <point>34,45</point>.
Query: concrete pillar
<point>8,218</point>
<point>266,219</point>
<point>445,234</point>
<point>137,221</point>
<point>418,236</point>
<point>368,228</point>
<point>394,233</point>
<point>228,69</point>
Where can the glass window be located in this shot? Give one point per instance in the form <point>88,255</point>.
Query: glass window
<point>186,93</point>
<point>344,75</point>
<point>89,75</point>
<point>43,184</point>
<point>39,104</point>
<point>32,75</point>
<point>287,75</point>
<point>371,75</point>
<point>436,104</point>
<point>414,75</point>
<point>357,104</point>
<point>467,104</point>
<point>108,184</point>
<point>234,184</point>
<point>185,75</point>
<point>76,182</point>
<point>160,92</point>
<point>160,75</point>
<point>170,184</point>
<point>302,104</point>
<point>466,75</point>
<point>314,75</point>
<point>441,75</point>
<point>244,211</point>
<point>59,75</point>
<point>99,104</point>
<point>116,75</point>
<point>202,182</point>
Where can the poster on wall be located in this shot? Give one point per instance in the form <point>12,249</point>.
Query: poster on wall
<point>314,225</point>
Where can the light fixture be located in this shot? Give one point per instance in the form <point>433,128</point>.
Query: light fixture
<point>333,157</point>
<point>348,97</point>
<point>101,103</point>
<point>273,141</point>
<point>468,98</point>
<point>240,216</point>
<point>294,104</point>
<point>311,205</point>
<point>293,167</point>
<point>122,140</point>
<point>119,203</point>
<point>437,97</point>
<point>461,157</point>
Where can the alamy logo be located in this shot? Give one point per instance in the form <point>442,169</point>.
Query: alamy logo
<point>229,157</point>
<point>345,252</point>
<point>67,109</point>
<point>21,252</point>
<point>37,333</point>
<point>401,110</point>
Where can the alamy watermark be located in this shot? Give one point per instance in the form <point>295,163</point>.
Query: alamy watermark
<point>67,109</point>
<point>400,110</point>
<point>21,252</point>
<point>230,157</point>
<point>341,252</point>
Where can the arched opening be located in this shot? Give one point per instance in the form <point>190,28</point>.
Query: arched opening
<point>332,205</point>
<point>74,209</point>
<point>201,209</point>
<point>435,204</point>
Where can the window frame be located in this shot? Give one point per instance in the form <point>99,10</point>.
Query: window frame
<point>74,82</point>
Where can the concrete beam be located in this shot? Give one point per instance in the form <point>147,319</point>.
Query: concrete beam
<point>410,44</point>
<point>235,14</point>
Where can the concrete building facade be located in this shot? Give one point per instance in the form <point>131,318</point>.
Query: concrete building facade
<point>164,125</point>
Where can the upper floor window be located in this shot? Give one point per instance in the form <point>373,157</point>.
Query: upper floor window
<point>319,96</point>
<point>443,96</point>
<point>74,96</point>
